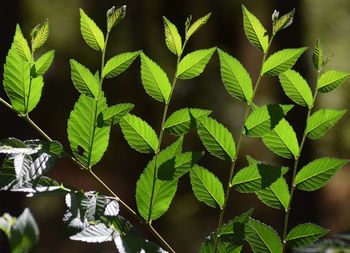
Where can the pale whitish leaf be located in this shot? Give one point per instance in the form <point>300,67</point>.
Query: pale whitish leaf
<point>257,176</point>
<point>235,77</point>
<point>88,137</point>
<point>154,80</point>
<point>207,187</point>
<point>17,80</point>
<point>317,173</point>
<point>24,233</point>
<point>305,235</point>
<point>119,63</point>
<point>262,238</point>
<point>43,63</point>
<point>130,243</point>
<point>95,234</point>
<point>181,121</point>
<point>113,114</point>
<point>331,79</point>
<point>172,37</point>
<point>317,56</point>
<point>321,121</point>
<point>216,138</point>
<point>254,30</point>
<point>84,81</point>
<point>115,16</point>
<point>282,60</point>
<point>139,134</point>
<point>296,88</point>
<point>282,140</point>
<point>14,146</point>
<point>91,33</point>
<point>276,195</point>
<point>39,35</point>
<point>263,119</point>
<point>21,45</point>
<point>196,25</point>
<point>164,190</point>
<point>283,22</point>
<point>112,208</point>
<point>193,64</point>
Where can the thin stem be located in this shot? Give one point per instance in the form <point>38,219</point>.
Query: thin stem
<point>36,127</point>
<point>238,148</point>
<point>7,105</point>
<point>161,133</point>
<point>295,169</point>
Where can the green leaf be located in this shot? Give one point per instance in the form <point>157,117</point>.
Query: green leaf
<point>317,56</point>
<point>154,80</point>
<point>282,140</point>
<point>262,238</point>
<point>139,134</point>
<point>331,79</point>
<point>317,173</point>
<point>24,233</point>
<point>119,63</point>
<point>36,88</point>
<point>296,88</point>
<point>305,235</point>
<point>321,121</point>
<point>17,80</point>
<point>216,138</point>
<point>193,64</point>
<point>283,22</point>
<point>257,176</point>
<point>172,37</point>
<point>113,114</point>
<point>21,45</point>
<point>196,25</point>
<point>91,33</point>
<point>39,35</point>
<point>84,81</point>
<point>88,138</point>
<point>164,190</point>
<point>43,63</point>
<point>263,119</point>
<point>207,187</point>
<point>254,30</point>
<point>235,77</point>
<point>282,60</point>
<point>181,121</point>
<point>276,195</point>
<point>115,16</point>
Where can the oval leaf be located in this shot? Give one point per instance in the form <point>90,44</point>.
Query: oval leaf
<point>282,61</point>
<point>207,187</point>
<point>317,173</point>
<point>296,88</point>
<point>196,25</point>
<point>40,34</point>
<point>216,138</point>
<point>43,63</point>
<point>235,77</point>
<point>139,134</point>
<point>87,138</point>
<point>254,30</point>
<point>193,64</point>
<point>113,114</point>
<point>317,56</point>
<point>172,37</point>
<point>331,80</point>
<point>181,121</point>
<point>305,235</point>
<point>154,80</point>
<point>321,121</point>
<point>91,33</point>
<point>257,176</point>
<point>119,63</point>
<point>282,140</point>
<point>84,81</point>
<point>276,195</point>
<point>262,238</point>
<point>263,119</point>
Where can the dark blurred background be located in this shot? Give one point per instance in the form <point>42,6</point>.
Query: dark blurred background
<point>187,222</point>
